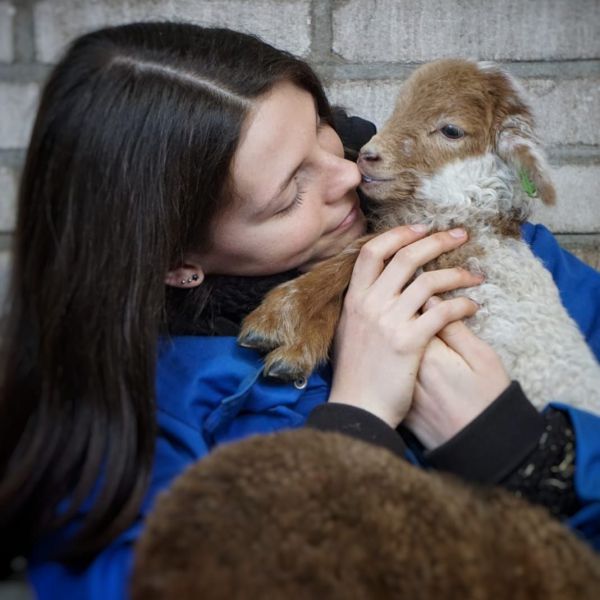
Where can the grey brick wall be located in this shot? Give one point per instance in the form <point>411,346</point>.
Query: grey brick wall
<point>363,49</point>
<point>421,30</point>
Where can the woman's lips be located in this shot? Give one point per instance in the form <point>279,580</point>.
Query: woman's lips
<point>348,219</point>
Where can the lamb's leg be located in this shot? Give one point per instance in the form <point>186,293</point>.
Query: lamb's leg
<point>296,321</point>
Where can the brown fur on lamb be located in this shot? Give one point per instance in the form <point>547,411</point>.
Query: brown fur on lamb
<point>305,514</point>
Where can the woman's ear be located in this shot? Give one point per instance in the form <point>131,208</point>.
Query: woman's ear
<point>186,276</point>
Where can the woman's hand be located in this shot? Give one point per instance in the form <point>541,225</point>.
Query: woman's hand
<point>459,377</point>
<point>382,336</point>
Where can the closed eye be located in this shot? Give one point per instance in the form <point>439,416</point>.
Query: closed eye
<point>295,203</point>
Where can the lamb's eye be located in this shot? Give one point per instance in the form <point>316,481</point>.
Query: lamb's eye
<point>452,132</point>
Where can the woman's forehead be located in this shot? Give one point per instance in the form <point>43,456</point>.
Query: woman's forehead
<point>274,140</point>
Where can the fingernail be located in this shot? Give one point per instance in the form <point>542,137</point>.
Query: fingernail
<point>458,232</point>
<point>419,227</point>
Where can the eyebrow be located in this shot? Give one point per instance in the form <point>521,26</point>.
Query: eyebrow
<point>275,197</point>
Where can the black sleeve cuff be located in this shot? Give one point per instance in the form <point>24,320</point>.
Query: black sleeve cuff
<point>357,423</point>
<point>493,444</point>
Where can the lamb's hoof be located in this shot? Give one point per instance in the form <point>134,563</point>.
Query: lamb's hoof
<point>283,370</point>
<point>256,341</point>
<point>281,364</point>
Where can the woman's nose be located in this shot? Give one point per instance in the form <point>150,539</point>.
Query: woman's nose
<point>343,176</point>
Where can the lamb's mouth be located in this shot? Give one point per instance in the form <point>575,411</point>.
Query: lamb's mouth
<point>368,179</point>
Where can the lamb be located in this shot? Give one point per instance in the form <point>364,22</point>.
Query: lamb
<point>455,151</point>
<point>305,514</point>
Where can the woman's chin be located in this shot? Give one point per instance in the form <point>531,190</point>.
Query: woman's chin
<point>358,228</point>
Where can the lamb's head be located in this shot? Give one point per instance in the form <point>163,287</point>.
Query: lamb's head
<point>456,123</point>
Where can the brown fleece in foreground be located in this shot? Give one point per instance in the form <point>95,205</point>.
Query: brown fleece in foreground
<point>311,515</point>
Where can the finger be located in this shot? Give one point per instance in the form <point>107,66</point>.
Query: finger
<point>373,255</point>
<point>463,341</point>
<point>402,267</point>
<point>459,337</point>
<point>417,293</point>
<point>441,314</point>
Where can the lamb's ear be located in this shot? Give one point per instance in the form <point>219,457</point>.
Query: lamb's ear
<point>518,147</point>
<point>516,142</point>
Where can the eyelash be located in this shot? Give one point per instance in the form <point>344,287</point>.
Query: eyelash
<point>300,192</point>
<point>298,200</point>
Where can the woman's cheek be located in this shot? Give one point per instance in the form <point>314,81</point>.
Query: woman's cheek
<point>299,241</point>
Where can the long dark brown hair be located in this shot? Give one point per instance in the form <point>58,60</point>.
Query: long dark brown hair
<point>127,166</point>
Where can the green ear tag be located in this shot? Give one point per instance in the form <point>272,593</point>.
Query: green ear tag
<point>526,183</point>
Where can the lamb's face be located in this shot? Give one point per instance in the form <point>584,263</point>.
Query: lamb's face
<point>449,110</point>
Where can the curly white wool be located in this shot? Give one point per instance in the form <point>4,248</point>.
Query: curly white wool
<point>522,316</point>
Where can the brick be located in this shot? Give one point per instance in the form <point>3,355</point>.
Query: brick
<point>577,208</point>
<point>586,247</point>
<point>7,14</point>
<point>566,111</point>
<point>591,256</point>
<point>284,23</point>
<point>373,100</point>
<point>8,196</point>
<point>19,103</point>
<point>421,30</point>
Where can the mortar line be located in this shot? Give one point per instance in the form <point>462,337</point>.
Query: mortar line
<point>321,32</point>
<point>23,34</point>
<point>564,70</point>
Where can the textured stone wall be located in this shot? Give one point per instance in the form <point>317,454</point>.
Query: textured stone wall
<point>363,49</point>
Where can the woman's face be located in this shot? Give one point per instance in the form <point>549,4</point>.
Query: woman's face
<point>296,202</point>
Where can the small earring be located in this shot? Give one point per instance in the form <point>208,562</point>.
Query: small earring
<point>194,277</point>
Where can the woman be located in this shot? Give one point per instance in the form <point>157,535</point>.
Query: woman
<point>208,160</point>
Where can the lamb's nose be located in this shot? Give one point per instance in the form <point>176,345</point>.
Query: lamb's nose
<point>368,155</point>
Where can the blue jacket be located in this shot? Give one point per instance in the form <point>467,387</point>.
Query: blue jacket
<point>210,391</point>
